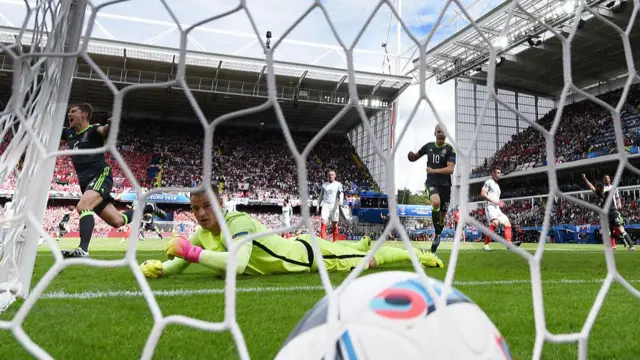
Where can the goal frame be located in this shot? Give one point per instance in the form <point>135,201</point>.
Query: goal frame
<point>39,182</point>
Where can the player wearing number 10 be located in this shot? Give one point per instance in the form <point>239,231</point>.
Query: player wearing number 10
<point>441,162</point>
<point>265,255</point>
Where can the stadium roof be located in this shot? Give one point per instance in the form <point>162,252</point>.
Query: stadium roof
<point>221,84</point>
<point>597,51</point>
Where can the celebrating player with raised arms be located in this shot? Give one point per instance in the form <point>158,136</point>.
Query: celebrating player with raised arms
<point>616,222</point>
<point>94,176</point>
<point>441,162</point>
<point>491,192</point>
<point>331,199</point>
<point>266,255</point>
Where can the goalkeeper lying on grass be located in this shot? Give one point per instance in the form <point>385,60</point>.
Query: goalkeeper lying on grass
<point>266,255</point>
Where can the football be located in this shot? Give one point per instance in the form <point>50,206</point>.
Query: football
<point>390,315</point>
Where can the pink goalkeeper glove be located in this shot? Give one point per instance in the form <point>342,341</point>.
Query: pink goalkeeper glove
<point>182,248</point>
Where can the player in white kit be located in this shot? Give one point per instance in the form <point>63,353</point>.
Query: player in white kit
<point>287,214</point>
<point>491,192</point>
<point>331,198</point>
<point>229,205</point>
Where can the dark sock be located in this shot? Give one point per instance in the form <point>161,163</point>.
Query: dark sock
<point>86,228</point>
<point>148,209</point>
<point>626,238</point>
<point>127,215</point>
<point>435,244</point>
<point>435,217</point>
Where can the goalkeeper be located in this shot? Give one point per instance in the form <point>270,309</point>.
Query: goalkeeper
<point>266,255</point>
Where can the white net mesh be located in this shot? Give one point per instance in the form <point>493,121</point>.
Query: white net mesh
<point>32,100</point>
<point>29,131</point>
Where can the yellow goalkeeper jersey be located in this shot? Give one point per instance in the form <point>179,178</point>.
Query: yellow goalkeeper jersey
<point>270,254</point>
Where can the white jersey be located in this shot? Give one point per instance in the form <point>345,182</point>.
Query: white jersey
<point>147,219</point>
<point>493,191</point>
<point>330,192</point>
<point>287,211</point>
<point>493,211</point>
<point>230,206</point>
<point>616,195</point>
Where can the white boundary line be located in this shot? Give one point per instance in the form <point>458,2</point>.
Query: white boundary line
<point>88,295</point>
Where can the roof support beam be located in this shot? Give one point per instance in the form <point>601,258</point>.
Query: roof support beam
<point>255,87</point>
<point>476,48</point>
<point>375,88</point>
<point>304,74</point>
<point>444,57</point>
<point>124,59</point>
<point>339,83</point>
<point>215,78</point>
<point>521,15</point>
<point>490,31</point>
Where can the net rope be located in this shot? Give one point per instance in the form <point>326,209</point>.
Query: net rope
<point>25,118</point>
<point>334,328</point>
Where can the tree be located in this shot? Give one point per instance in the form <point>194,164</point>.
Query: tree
<point>406,197</point>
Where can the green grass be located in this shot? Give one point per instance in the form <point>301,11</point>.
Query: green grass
<point>117,327</point>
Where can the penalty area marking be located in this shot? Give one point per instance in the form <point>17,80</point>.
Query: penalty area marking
<point>88,295</point>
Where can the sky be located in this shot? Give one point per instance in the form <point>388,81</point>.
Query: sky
<point>311,41</point>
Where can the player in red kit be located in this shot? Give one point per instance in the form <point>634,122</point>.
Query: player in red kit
<point>456,220</point>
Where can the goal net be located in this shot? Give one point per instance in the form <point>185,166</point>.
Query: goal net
<point>31,125</point>
<point>32,122</point>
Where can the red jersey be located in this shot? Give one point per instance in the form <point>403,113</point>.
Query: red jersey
<point>456,216</point>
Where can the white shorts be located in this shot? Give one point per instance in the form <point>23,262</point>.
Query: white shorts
<point>330,212</point>
<point>496,214</point>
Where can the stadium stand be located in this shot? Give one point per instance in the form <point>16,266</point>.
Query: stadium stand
<point>169,154</point>
<point>585,128</point>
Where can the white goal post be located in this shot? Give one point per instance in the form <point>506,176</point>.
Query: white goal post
<point>34,116</point>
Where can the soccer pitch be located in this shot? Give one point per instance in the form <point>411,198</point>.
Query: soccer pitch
<point>99,313</point>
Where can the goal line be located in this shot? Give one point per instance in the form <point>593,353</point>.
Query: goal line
<point>90,295</point>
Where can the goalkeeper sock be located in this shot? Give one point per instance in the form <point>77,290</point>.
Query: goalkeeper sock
<point>86,229</point>
<point>323,231</point>
<point>487,239</point>
<point>390,254</point>
<point>507,233</point>
<point>335,232</point>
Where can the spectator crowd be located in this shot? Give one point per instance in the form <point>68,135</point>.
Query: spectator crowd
<point>258,164</point>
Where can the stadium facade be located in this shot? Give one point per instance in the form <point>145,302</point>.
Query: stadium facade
<point>530,72</point>
<point>309,96</point>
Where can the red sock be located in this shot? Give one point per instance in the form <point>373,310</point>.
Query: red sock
<point>613,241</point>
<point>487,240</point>
<point>507,233</point>
<point>323,231</point>
<point>335,233</point>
